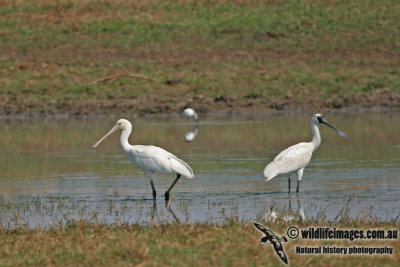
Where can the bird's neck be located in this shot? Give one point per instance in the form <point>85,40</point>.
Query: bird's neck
<point>316,140</point>
<point>123,139</point>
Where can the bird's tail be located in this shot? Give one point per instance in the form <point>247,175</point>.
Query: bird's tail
<point>183,168</point>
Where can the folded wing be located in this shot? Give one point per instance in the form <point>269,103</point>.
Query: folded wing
<point>156,159</point>
<point>289,160</point>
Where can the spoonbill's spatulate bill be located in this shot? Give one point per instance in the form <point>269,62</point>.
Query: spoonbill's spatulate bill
<point>189,113</point>
<point>150,159</point>
<point>293,159</point>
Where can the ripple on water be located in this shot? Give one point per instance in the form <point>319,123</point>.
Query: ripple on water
<point>50,179</point>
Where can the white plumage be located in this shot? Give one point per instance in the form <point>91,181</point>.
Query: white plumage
<point>150,159</point>
<point>294,159</point>
<point>189,136</point>
<point>157,160</point>
<point>189,113</point>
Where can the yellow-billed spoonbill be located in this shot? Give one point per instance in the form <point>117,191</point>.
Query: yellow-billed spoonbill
<point>295,158</point>
<point>150,159</point>
<point>189,113</point>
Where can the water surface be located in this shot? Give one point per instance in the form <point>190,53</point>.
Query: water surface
<point>49,172</point>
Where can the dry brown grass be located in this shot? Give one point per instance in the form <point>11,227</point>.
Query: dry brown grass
<point>174,244</point>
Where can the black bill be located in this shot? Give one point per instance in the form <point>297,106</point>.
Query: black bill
<point>342,134</point>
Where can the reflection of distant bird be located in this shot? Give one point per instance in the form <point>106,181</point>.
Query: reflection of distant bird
<point>189,113</point>
<point>274,240</point>
<point>190,135</point>
<point>295,158</point>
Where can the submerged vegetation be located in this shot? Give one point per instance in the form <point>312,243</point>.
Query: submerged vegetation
<point>85,57</point>
<point>53,212</point>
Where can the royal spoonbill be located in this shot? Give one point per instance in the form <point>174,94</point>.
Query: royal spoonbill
<point>295,158</point>
<point>150,159</point>
<point>189,113</point>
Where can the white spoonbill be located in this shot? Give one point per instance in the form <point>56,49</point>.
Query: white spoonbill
<point>150,159</point>
<point>189,113</point>
<point>293,159</point>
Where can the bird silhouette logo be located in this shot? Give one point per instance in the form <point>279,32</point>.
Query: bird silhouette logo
<point>270,238</point>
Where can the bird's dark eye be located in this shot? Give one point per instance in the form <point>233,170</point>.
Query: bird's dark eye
<point>119,124</point>
<point>320,119</point>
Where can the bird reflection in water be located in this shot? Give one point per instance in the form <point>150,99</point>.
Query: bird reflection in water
<point>162,216</point>
<point>287,216</point>
<point>189,136</point>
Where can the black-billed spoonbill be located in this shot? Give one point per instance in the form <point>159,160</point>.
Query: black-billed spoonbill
<point>293,159</point>
<point>150,159</point>
<point>189,113</point>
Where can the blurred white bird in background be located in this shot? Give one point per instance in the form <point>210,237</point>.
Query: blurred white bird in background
<point>189,113</point>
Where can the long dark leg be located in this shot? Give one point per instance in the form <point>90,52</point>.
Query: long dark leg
<point>298,186</point>
<point>152,186</point>
<point>172,186</point>
<point>289,184</point>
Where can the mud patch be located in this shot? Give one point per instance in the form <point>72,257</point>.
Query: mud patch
<point>382,99</point>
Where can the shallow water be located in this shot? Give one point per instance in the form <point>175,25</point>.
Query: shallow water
<point>48,171</point>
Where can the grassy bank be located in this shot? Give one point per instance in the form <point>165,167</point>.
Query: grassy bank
<point>177,245</point>
<point>75,234</point>
<point>75,57</point>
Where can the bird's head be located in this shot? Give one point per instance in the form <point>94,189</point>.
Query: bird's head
<point>318,119</point>
<point>122,125</point>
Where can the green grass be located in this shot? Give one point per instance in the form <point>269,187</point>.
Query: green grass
<point>53,50</point>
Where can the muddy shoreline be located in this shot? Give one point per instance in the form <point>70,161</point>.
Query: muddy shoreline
<point>378,101</point>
